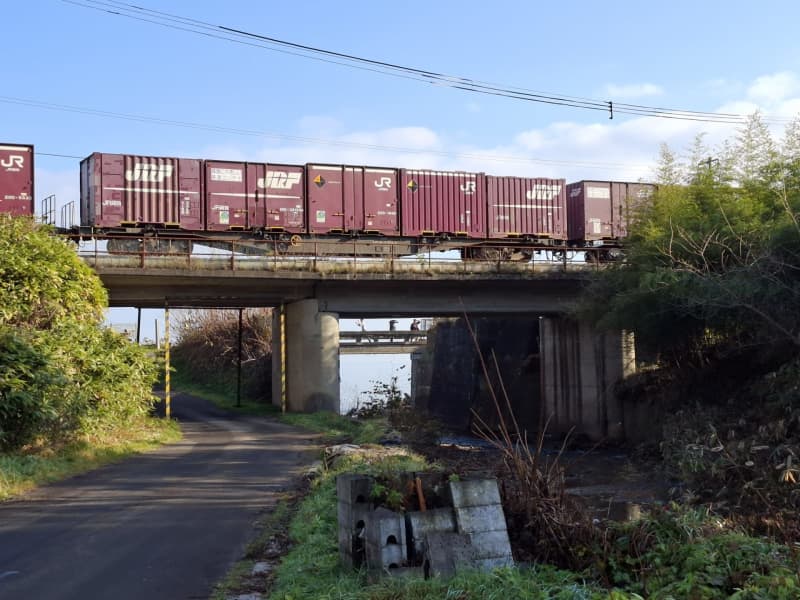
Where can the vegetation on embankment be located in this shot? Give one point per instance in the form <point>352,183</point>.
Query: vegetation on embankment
<point>671,553</point>
<point>710,286</point>
<point>205,358</point>
<point>72,392</point>
<point>38,464</point>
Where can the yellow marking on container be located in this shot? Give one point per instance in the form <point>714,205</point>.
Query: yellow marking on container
<point>428,232</point>
<point>319,180</point>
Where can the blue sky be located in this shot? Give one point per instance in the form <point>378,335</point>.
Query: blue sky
<point>732,56</point>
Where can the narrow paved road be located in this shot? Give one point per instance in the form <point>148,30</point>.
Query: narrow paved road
<point>167,524</point>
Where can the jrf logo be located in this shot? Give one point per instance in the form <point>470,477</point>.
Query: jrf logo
<point>278,180</point>
<point>13,163</point>
<point>384,183</point>
<point>543,191</point>
<point>468,187</point>
<point>149,173</point>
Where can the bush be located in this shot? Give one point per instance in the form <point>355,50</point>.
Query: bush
<point>62,375</point>
<point>207,350</point>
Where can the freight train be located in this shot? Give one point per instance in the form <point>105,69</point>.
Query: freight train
<point>217,202</point>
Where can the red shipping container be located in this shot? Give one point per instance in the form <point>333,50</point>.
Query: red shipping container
<point>602,210</point>
<point>250,196</point>
<point>16,179</point>
<point>442,202</point>
<point>344,199</point>
<point>525,207</point>
<point>119,190</point>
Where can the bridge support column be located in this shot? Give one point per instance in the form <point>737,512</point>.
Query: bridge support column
<point>579,369</point>
<point>311,354</point>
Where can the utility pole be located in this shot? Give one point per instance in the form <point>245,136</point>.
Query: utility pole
<point>167,399</point>
<point>239,365</point>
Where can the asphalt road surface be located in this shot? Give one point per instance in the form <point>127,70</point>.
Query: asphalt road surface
<point>166,524</point>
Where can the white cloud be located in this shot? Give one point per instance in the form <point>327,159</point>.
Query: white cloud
<point>632,90</point>
<point>771,89</point>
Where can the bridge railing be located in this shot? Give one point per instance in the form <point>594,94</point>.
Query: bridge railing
<point>354,256</point>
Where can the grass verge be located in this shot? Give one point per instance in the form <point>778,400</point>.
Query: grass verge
<point>23,471</point>
<point>222,394</point>
<point>338,429</point>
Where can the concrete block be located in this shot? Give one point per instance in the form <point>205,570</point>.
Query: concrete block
<point>390,556</point>
<point>350,515</point>
<point>491,544</point>
<point>488,564</point>
<point>474,492</point>
<point>444,552</point>
<point>420,524</point>
<point>386,527</point>
<point>385,539</point>
<point>480,518</point>
<point>354,489</point>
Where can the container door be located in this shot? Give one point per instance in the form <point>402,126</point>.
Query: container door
<point>353,198</point>
<point>115,203</point>
<point>190,195</point>
<point>281,189</point>
<point>380,202</point>
<point>600,209</point>
<point>326,199</point>
<point>226,196</point>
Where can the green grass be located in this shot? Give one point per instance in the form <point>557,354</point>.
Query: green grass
<point>222,394</point>
<point>339,429</point>
<point>312,570</point>
<point>23,471</point>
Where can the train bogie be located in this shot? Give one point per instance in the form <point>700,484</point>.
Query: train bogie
<point>121,190</point>
<point>16,179</point>
<point>526,208</point>
<point>443,203</point>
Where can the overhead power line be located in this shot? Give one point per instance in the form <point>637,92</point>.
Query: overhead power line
<point>303,139</point>
<point>240,36</point>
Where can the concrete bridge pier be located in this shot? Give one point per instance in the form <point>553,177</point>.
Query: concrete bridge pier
<point>305,358</point>
<point>579,369</point>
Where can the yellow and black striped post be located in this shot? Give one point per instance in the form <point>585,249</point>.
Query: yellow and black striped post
<point>283,356</point>
<point>166,362</point>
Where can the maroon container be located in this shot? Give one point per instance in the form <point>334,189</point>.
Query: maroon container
<point>441,202</point>
<point>344,199</point>
<point>602,210</point>
<point>525,207</point>
<point>119,190</point>
<point>241,196</point>
<point>16,179</point>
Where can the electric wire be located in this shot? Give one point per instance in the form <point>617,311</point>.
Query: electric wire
<point>309,140</point>
<point>221,32</point>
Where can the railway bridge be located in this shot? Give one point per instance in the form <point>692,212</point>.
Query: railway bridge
<point>311,293</point>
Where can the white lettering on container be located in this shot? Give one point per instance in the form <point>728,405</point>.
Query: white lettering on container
<point>148,172</point>
<point>14,163</point>
<point>233,175</point>
<point>278,180</point>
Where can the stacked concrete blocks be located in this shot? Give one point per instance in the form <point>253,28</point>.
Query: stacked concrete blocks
<point>479,514</point>
<point>471,533</point>
<point>353,511</point>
